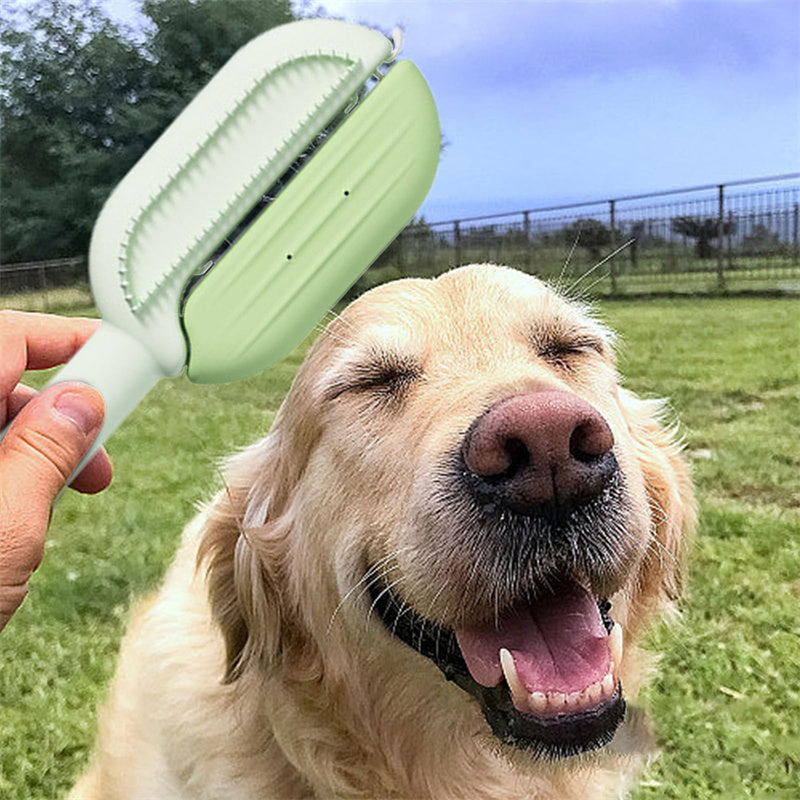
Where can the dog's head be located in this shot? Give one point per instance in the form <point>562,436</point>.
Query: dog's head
<point>457,486</point>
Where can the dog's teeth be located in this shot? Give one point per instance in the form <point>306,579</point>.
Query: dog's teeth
<point>615,644</point>
<point>594,692</point>
<point>519,694</point>
<point>537,701</point>
<point>556,702</point>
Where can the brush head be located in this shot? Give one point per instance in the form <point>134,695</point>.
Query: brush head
<point>301,254</point>
<point>212,164</point>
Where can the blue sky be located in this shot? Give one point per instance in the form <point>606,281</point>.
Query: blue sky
<point>544,101</point>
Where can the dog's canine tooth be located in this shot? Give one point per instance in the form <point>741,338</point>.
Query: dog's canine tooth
<point>615,644</point>
<point>607,684</point>
<point>519,694</point>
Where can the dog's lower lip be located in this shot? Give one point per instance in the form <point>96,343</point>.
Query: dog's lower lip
<point>559,736</point>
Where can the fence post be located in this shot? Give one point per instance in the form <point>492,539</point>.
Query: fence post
<point>612,267</point>
<point>729,239</point>
<point>720,240</point>
<point>796,235</point>
<point>526,226</point>
<point>457,241</point>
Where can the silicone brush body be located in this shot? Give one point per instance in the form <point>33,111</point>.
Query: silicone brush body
<point>319,235</point>
<point>193,187</point>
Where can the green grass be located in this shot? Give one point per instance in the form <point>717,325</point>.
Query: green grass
<point>727,699</point>
<point>61,299</point>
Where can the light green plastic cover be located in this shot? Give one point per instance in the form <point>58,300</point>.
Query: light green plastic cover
<point>319,235</point>
<point>212,164</point>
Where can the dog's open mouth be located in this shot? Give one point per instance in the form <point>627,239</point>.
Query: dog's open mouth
<point>544,673</point>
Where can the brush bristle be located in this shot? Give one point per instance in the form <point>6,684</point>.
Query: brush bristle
<point>140,289</point>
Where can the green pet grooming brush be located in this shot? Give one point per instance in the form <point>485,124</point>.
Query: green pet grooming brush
<point>212,253</point>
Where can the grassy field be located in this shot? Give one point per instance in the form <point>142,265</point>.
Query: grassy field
<point>60,299</point>
<point>727,701</point>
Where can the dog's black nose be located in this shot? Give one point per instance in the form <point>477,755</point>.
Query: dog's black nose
<point>547,448</point>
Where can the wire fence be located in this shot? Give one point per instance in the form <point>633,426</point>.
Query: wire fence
<point>59,283</point>
<point>738,236</point>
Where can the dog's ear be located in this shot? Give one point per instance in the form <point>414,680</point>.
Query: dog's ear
<point>245,545</point>
<point>243,548</point>
<point>671,499</point>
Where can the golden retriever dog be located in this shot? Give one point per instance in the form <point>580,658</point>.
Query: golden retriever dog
<point>417,585</point>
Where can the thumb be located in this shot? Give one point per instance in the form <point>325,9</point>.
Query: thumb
<point>38,454</point>
<point>44,445</point>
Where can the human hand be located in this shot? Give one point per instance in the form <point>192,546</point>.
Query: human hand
<point>50,433</point>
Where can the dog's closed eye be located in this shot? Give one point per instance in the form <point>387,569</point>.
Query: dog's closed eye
<point>383,374</point>
<point>561,349</point>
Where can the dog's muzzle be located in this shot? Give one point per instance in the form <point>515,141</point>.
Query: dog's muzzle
<point>532,510</point>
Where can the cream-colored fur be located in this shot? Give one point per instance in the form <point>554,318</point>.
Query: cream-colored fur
<point>258,671</point>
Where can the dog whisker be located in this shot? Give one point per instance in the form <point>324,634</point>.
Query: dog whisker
<point>343,320</point>
<point>346,336</point>
<point>404,607</point>
<point>654,544</point>
<point>389,587</point>
<point>569,258</point>
<point>375,568</point>
<point>325,330</point>
<point>445,615</point>
<point>378,578</point>
<point>600,263</point>
<point>429,612</point>
<point>583,294</point>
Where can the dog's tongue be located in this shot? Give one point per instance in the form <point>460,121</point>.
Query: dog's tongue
<point>559,643</point>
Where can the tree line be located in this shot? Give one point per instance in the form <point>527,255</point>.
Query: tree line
<point>82,97</point>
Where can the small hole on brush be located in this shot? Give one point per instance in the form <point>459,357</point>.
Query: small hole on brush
<point>288,256</point>
<point>346,192</point>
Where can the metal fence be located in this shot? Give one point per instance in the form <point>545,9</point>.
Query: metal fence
<point>45,285</point>
<point>738,236</point>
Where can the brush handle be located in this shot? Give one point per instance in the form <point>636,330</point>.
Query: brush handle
<point>121,368</point>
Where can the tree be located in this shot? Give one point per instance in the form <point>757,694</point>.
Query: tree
<point>192,39</point>
<point>591,234</point>
<point>82,98</point>
<point>67,72</point>
<point>704,230</point>
<point>762,241</point>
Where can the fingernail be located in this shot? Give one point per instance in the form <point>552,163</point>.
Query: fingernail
<point>79,410</point>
